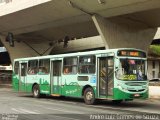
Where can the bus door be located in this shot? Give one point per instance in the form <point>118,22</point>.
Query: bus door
<point>106,76</point>
<point>22,80</point>
<point>56,76</point>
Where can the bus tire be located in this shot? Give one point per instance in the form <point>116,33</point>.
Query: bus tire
<point>36,91</point>
<point>89,96</point>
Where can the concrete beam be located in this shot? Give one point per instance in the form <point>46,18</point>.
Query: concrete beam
<point>23,48</point>
<point>124,33</point>
<point>79,45</point>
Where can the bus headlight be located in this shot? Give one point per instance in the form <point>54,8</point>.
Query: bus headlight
<point>145,87</point>
<point>121,88</point>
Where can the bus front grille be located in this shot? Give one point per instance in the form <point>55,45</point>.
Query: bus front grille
<point>135,83</point>
<point>136,90</point>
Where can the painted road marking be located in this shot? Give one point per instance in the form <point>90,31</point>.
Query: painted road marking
<point>24,111</point>
<point>57,109</point>
<point>28,111</point>
<point>16,110</point>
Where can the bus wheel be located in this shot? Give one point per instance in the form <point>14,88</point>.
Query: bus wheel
<point>36,91</point>
<point>89,96</point>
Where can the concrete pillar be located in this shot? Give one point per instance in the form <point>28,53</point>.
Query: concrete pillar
<point>21,49</point>
<point>124,33</point>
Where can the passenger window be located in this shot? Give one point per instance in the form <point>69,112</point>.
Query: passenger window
<point>44,66</point>
<point>23,69</point>
<point>16,67</point>
<point>32,67</point>
<point>86,64</point>
<point>70,65</point>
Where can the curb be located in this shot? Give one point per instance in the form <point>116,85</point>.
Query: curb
<point>154,98</point>
<point>5,86</point>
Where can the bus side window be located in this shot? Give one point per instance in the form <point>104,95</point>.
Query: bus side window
<point>70,65</point>
<point>87,64</point>
<point>44,66</point>
<point>66,70</point>
<point>32,67</point>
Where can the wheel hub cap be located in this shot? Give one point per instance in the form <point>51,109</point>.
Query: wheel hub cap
<point>89,96</point>
<point>36,92</point>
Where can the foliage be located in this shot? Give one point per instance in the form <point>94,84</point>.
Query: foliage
<point>154,50</point>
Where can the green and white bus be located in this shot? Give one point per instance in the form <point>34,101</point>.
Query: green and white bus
<point>114,74</point>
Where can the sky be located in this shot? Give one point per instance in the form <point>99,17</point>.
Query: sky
<point>157,36</point>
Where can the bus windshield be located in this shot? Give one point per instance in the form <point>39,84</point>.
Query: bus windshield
<point>131,69</point>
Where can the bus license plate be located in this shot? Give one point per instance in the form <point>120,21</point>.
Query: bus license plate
<point>136,95</point>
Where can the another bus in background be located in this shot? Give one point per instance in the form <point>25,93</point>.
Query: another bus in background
<point>5,67</point>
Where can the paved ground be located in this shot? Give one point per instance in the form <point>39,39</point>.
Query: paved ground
<point>24,107</point>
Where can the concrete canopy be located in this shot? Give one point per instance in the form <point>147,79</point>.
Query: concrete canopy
<point>60,14</point>
<point>53,20</point>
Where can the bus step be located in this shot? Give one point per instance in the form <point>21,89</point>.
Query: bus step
<point>57,95</point>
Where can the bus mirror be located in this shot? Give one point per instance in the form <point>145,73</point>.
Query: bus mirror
<point>120,70</point>
<point>117,61</point>
<point>116,68</point>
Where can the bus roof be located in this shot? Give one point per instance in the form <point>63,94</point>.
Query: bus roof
<point>75,54</point>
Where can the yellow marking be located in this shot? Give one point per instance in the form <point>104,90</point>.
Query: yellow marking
<point>57,95</point>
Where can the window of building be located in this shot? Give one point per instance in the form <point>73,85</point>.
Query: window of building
<point>32,67</point>
<point>70,65</point>
<point>44,66</point>
<point>153,74</point>
<point>153,64</point>
<point>16,67</point>
<point>87,64</point>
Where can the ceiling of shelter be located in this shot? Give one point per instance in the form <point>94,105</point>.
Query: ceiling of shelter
<point>77,30</point>
<point>58,18</point>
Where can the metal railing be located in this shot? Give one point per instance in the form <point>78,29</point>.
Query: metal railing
<point>5,1</point>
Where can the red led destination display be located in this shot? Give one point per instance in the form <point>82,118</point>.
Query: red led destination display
<point>131,53</point>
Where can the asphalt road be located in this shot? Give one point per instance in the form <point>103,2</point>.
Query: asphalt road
<point>20,106</point>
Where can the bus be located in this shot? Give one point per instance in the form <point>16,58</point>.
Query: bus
<point>7,67</point>
<point>5,74</point>
<point>114,74</point>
